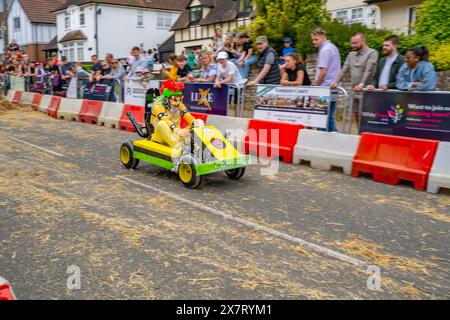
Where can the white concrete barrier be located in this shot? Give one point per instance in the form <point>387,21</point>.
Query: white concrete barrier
<point>69,109</point>
<point>326,149</point>
<point>10,95</point>
<point>110,114</point>
<point>234,129</point>
<point>45,102</point>
<point>27,98</point>
<point>440,171</point>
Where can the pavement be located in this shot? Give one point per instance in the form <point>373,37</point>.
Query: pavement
<point>66,200</point>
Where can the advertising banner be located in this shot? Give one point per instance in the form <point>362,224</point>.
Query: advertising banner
<point>17,83</point>
<point>308,106</point>
<point>204,98</point>
<point>413,114</point>
<point>135,91</point>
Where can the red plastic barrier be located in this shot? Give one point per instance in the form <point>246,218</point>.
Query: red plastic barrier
<point>36,101</point>
<point>6,291</point>
<point>137,111</point>
<point>261,139</point>
<point>90,111</point>
<point>391,159</point>
<point>201,116</point>
<point>17,97</point>
<point>52,110</point>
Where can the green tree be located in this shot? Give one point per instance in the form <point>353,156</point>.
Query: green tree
<point>278,19</point>
<point>433,19</point>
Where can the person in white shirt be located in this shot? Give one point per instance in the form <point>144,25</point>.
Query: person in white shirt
<point>227,72</point>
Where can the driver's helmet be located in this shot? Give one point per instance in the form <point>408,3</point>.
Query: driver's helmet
<point>173,91</point>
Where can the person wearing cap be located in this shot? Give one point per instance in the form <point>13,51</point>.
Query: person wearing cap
<point>138,74</point>
<point>40,72</point>
<point>267,62</point>
<point>65,70</point>
<point>288,42</point>
<point>227,72</point>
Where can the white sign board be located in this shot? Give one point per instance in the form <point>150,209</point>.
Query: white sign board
<point>72,89</point>
<point>135,91</point>
<point>308,106</point>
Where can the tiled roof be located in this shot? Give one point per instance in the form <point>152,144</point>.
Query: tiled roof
<point>175,5</point>
<point>40,11</point>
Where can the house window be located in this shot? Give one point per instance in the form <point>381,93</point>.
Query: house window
<point>411,19</point>
<point>71,52</point>
<point>140,18</point>
<point>16,23</point>
<point>245,6</point>
<point>65,51</point>
<point>196,14</point>
<point>354,15</point>
<point>80,51</point>
<point>67,20</point>
<point>357,14</point>
<point>342,16</point>
<point>82,19</point>
<point>164,20</point>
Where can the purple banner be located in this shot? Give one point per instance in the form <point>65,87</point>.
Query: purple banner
<point>204,98</point>
<point>413,114</point>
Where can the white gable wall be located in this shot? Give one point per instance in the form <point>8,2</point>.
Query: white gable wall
<point>24,35</point>
<point>118,31</point>
<point>29,33</point>
<point>88,28</point>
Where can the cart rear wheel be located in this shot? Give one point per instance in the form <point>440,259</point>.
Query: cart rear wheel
<point>126,156</point>
<point>188,176</point>
<point>235,174</point>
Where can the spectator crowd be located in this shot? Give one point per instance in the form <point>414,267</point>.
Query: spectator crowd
<point>229,59</point>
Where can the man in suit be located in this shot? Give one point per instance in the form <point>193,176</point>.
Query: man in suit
<point>385,76</point>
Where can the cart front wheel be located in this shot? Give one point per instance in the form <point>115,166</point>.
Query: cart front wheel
<point>188,176</point>
<point>126,156</point>
<point>235,174</point>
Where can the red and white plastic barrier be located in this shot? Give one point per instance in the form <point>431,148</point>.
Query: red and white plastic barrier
<point>6,292</point>
<point>110,115</point>
<point>325,150</point>
<point>440,171</point>
<point>45,103</point>
<point>389,158</point>
<point>70,109</point>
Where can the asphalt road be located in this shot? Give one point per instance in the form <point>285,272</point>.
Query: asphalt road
<point>298,234</point>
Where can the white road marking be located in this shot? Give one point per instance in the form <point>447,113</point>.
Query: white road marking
<point>250,224</point>
<point>37,147</point>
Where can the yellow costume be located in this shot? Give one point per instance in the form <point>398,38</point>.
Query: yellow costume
<point>167,114</point>
<point>173,73</point>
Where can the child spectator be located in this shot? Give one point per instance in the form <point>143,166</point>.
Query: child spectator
<point>183,68</point>
<point>172,73</point>
<point>227,72</point>
<point>192,60</point>
<point>288,42</point>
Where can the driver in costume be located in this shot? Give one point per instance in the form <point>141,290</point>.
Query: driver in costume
<point>167,112</point>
